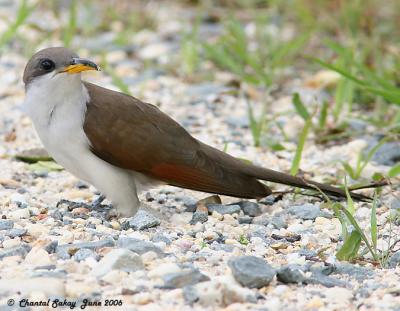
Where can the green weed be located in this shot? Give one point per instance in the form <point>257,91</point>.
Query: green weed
<point>23,13</point>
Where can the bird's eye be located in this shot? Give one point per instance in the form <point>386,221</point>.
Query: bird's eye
<point>47,64</point>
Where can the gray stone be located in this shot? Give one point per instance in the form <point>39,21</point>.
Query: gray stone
<point>394,260</point>
<point>223,209</point>
<point>354,271</point>
<point>395,204</point>
<point>16,232</point>
<point>197,216</point>
<point>142,220</point>
<point>118,259</point>
<point>307,211</point>
<point>251,272</point>
<point>307,253</point>
<point>327,281</point>
<point>184,278</point>
<point>67,250</point>
<point>6,224</point>
<point>15,251</point>
<point>388,154</point>
<point>51,248</point>
<point>190,295</point>
<point>159,237</point>
<point>189,203</point>
<point>291,274</point>
<point>259,231</point>
<point>279,222</point>
<point>138,246</point>
<point>84,253</point>
<point>269,200</point>
<point>262,220</point>
<point>250,208</point>
<point>245,220</point>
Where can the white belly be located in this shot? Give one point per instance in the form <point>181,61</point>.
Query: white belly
<point>58,121</point>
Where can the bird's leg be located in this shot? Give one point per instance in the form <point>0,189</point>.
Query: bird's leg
<point>127,209</point>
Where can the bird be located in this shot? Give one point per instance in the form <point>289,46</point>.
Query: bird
<point>122,145</point>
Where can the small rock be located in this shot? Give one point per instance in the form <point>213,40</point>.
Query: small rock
<point>327,281</point>
<point>65,251</point>
<point>10,243</point>
<point>21,213</point>
<point>51,247</point>
<point>200,217</point>
<point>184,278</point>
<point>38,257</point>
<point>37,230</point>
<point>18,198</point>
<point>269,200</point>
<point>219,292</point>
<point>388,154</point>
<point>15,251</point>
<point>84,253</point>
<point>250,208</point>
<point>16,232</point>
<point>290,274</point>
<point>118,259</point>
<point>138,246</point>
<point>245,220</point>
<point>307,212</point>
<point>6,224</point>
<point>252,272</point>
<point>394,260</point>
<point>223,209</point>
<point>189,203</point>
<point>190,295</point>
<point>354,271</point>
<point>279,222</point>
<point>163,269</point>
<point>159,237</point>
<point>142,220</point>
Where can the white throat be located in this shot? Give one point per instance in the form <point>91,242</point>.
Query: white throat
<point>53,94</point>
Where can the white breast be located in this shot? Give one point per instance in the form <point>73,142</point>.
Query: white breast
<point>57,109</point>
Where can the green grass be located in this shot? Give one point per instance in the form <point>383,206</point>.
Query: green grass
<point>71,27</point>
<point>362,161</point>
<point>232,52</point>
<point>23,13</point>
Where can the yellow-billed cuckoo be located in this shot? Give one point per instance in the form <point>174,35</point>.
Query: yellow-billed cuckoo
<point>120,144</point>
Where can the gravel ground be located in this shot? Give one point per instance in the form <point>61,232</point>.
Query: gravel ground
<point>180,253</point>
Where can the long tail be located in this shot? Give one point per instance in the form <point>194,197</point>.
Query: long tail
<point>282,178</point>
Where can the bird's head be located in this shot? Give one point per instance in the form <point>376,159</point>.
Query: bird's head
<point>56,64</point>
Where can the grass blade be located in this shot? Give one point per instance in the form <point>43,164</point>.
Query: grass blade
<point>350,247</point>
<point>394,171</point>
<point>374,226</point>
<point>300,146</point>
<point>23,13</point>
<point>299,106</point>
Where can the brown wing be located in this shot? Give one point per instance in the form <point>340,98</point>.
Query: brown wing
<point>134,135</point>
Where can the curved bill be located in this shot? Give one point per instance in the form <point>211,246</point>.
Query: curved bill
<point>79,65</point>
